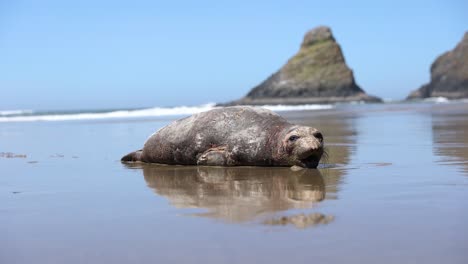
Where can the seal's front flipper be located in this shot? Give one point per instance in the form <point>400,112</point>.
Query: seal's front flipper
<point>218,156</point>
<point>132,157</point>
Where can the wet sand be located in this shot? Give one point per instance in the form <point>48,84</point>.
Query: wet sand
<point>394,189</point>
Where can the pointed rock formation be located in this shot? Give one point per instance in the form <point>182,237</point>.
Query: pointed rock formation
<point>449,75</point>
<point>316,74</point>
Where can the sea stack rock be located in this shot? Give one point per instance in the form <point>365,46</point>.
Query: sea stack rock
<point>449,75</point>
<point>316,74</point>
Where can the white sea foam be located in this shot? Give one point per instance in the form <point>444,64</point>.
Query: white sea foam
<point>15,112</point>
<point>280,108</point>
<point>149,112</point>
<point>437,100</point>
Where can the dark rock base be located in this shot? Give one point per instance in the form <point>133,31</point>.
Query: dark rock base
<point>304,100</point>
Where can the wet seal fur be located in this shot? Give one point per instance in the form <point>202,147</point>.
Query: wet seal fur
<point>233,136</point>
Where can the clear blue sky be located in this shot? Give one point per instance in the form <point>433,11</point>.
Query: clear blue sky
<point>111,54</point>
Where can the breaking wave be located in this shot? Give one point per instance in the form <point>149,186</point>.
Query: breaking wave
<point>32,116</point>
<point>437,100</point>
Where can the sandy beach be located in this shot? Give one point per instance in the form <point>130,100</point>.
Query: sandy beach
<point>392,190</point>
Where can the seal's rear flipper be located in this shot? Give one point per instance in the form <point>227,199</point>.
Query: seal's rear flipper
<point>131,157</point>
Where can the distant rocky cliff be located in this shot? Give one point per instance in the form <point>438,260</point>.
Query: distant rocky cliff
<point>316,74</point>
<point>449,75</point>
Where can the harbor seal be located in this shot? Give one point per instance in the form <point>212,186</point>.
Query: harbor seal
<point>233,136</point>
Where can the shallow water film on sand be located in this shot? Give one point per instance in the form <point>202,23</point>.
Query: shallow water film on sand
<point>393,189</point>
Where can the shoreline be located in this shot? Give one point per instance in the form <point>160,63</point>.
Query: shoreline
<point>162,113</point>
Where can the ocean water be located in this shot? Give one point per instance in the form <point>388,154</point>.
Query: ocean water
<point>28,115</point>
<point>394,189</point>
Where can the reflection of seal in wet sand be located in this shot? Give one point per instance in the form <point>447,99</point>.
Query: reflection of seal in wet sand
<point>233,136</point>
<point>301,220</point>
<point>10,155</point>
<point>236,194</point>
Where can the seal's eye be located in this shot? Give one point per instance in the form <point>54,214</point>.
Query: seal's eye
<point>293,138</point>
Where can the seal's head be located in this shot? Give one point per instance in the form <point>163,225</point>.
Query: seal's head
<point>303,146</point>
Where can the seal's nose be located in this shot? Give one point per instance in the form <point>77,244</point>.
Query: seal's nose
<point>318,135</point>
<point>313,147</point>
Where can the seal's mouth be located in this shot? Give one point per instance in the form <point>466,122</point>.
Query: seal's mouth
<point>310,161</point>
